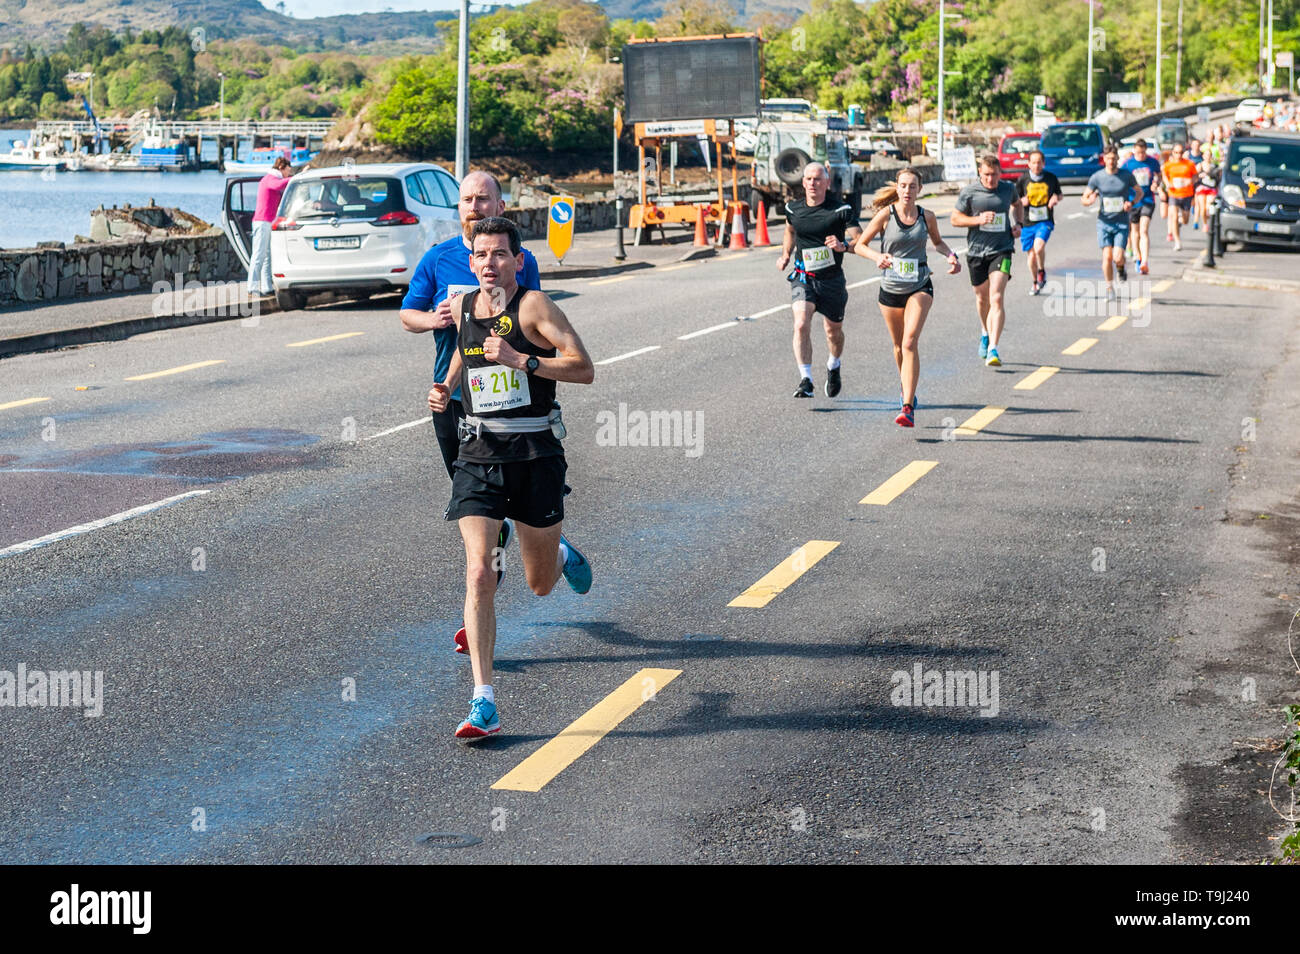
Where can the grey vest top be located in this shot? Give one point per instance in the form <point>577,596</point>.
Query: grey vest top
<point>906,244</point>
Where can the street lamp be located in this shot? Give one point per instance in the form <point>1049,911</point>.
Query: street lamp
<point>939,151</point>
<point>462,95</point>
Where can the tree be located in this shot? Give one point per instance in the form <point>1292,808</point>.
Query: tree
<point>696,18</point>
<point>583,26</point>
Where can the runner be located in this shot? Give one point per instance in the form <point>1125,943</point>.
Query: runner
<point>1180,182</point>
<point>985,208</point>
<point>1039,193</point>
<point>1146,173</point>
<point>444,271</point>
<point>1207,184</point>
<point>512,346</point>
<point>817,226</point>
<point>906,289</point>
<point>1119,192</point>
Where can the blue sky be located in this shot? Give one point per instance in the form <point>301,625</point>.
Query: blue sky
<point>325,8</point>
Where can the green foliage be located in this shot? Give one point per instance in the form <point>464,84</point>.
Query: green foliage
<point>1291,765</point>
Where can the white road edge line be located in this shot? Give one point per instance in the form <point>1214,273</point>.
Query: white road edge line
<point>630,354</point>
<point>705,331</point>
<point>399,427</point>
<point>1075,215</point>
<point>97,524</point>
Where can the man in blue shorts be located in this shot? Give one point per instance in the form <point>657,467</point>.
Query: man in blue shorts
<point>1118,192</point>
<point>1146,173</point>
<point>1040,193</point>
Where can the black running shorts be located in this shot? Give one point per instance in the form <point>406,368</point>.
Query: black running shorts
<point>830,296</point>
<point>528,491</point>
<point>899,299</point>
<point>982,265</point>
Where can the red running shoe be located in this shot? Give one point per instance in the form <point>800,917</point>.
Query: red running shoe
<point>905,417</point>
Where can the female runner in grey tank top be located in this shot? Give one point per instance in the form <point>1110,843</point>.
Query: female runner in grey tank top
<point>906,291</point>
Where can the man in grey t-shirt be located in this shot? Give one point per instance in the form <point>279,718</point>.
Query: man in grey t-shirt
<point>1118,192</point>
<point>991,211</point>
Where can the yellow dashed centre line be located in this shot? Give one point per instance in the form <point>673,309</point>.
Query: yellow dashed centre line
<point>979,420</point>
<point>1137,304</point>
<point>895,485</point>
<point>784,574</point>
<point>1035,379</point>
<point>1080,346</point>
<point>5,407</point>
<point>1113,322</point>
<point>312,341</point>
<point>534,772</point>
<point>1163,286</point>
<point>616,278</point>
<point>182,368</point>
<point>673,268</point>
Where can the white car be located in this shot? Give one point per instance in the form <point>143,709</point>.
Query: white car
<point>354,230</point>
<point>1248,110</point>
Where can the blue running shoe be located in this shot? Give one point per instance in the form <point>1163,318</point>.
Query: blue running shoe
<point>984,346</point>
<point>482,721</point>
<point>993,360</point>
<point>577,571</point>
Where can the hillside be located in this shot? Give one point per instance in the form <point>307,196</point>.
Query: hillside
<point>44,23</point>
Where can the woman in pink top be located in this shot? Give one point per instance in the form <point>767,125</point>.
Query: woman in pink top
<point>269,192</point>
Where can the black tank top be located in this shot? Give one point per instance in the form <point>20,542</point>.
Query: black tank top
<point>493,391</point>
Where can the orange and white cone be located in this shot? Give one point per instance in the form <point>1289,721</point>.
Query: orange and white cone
<point>738,231</point>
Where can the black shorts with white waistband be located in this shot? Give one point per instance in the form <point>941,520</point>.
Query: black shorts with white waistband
<point>830,296</point>
<point>528,491</point>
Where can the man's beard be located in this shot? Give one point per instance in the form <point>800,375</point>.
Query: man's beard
<point>467,226</point>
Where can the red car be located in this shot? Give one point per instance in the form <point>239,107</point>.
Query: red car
<point>1013,153</point>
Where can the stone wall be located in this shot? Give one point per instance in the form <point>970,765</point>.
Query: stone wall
<point>125,265</point>
<point>589,217</point>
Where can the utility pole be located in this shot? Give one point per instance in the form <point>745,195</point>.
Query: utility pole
<point>940,103</point>
<point>223,96</point>
<point>1088,115</point>
<point>1178,63</point>
<point>1259,59</point>
<point>1269,58</point>
<point>462,95</point>
<point>1159,55</point>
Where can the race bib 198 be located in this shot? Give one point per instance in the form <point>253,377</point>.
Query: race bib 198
<point>815,259</point>
<point>497,388</point>
<point>905,268</point>
<point>1037,213</point>
<point>1112,204</point>
<point>999,223</point>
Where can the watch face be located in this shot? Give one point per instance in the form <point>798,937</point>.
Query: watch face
<point>532,363</point>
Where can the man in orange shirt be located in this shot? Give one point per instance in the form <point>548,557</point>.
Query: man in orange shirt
<point>1179,175</point>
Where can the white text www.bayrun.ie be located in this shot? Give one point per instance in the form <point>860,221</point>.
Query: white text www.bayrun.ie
<point>1203,921</point>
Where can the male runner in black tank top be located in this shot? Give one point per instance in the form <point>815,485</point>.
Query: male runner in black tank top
<point>513,346</point>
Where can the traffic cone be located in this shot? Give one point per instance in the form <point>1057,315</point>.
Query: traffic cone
<point>701,236</point>
<point>761,239</point>
<point>738,231</point>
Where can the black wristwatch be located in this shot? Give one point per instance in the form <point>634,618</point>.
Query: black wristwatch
<point>532,363</point>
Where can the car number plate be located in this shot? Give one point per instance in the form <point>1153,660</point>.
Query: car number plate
<point>346,241</point>
<point>1273,228</point>
<point>1072,161</point>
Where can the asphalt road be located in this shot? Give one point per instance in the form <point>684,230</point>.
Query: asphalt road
<point>231,625</point>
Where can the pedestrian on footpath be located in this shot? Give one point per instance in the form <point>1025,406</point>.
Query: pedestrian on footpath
<point>513,345</point>
<point>817,227</point>
<point>270,190</point>
<point>906,287</point>
<point>990,210</point>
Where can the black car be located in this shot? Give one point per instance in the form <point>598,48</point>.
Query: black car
<point>1259,190</point>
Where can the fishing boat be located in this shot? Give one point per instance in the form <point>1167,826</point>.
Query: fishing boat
<point>38,153</point>
<point>263,158</point>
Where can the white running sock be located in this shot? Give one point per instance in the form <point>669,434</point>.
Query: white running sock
<point>564,552</point>
<point>832,364</point>
<point>484,692</point>
<point>805,370</point>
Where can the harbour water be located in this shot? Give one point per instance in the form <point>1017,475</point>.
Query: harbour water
<point>56,208</point>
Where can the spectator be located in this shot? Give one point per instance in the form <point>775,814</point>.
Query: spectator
<point>269,192</point>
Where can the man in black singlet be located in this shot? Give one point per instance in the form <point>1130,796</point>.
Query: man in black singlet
<point>513,345</point>
<point>816,229</point>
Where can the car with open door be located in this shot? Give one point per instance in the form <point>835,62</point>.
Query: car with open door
<point>353,230</point>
